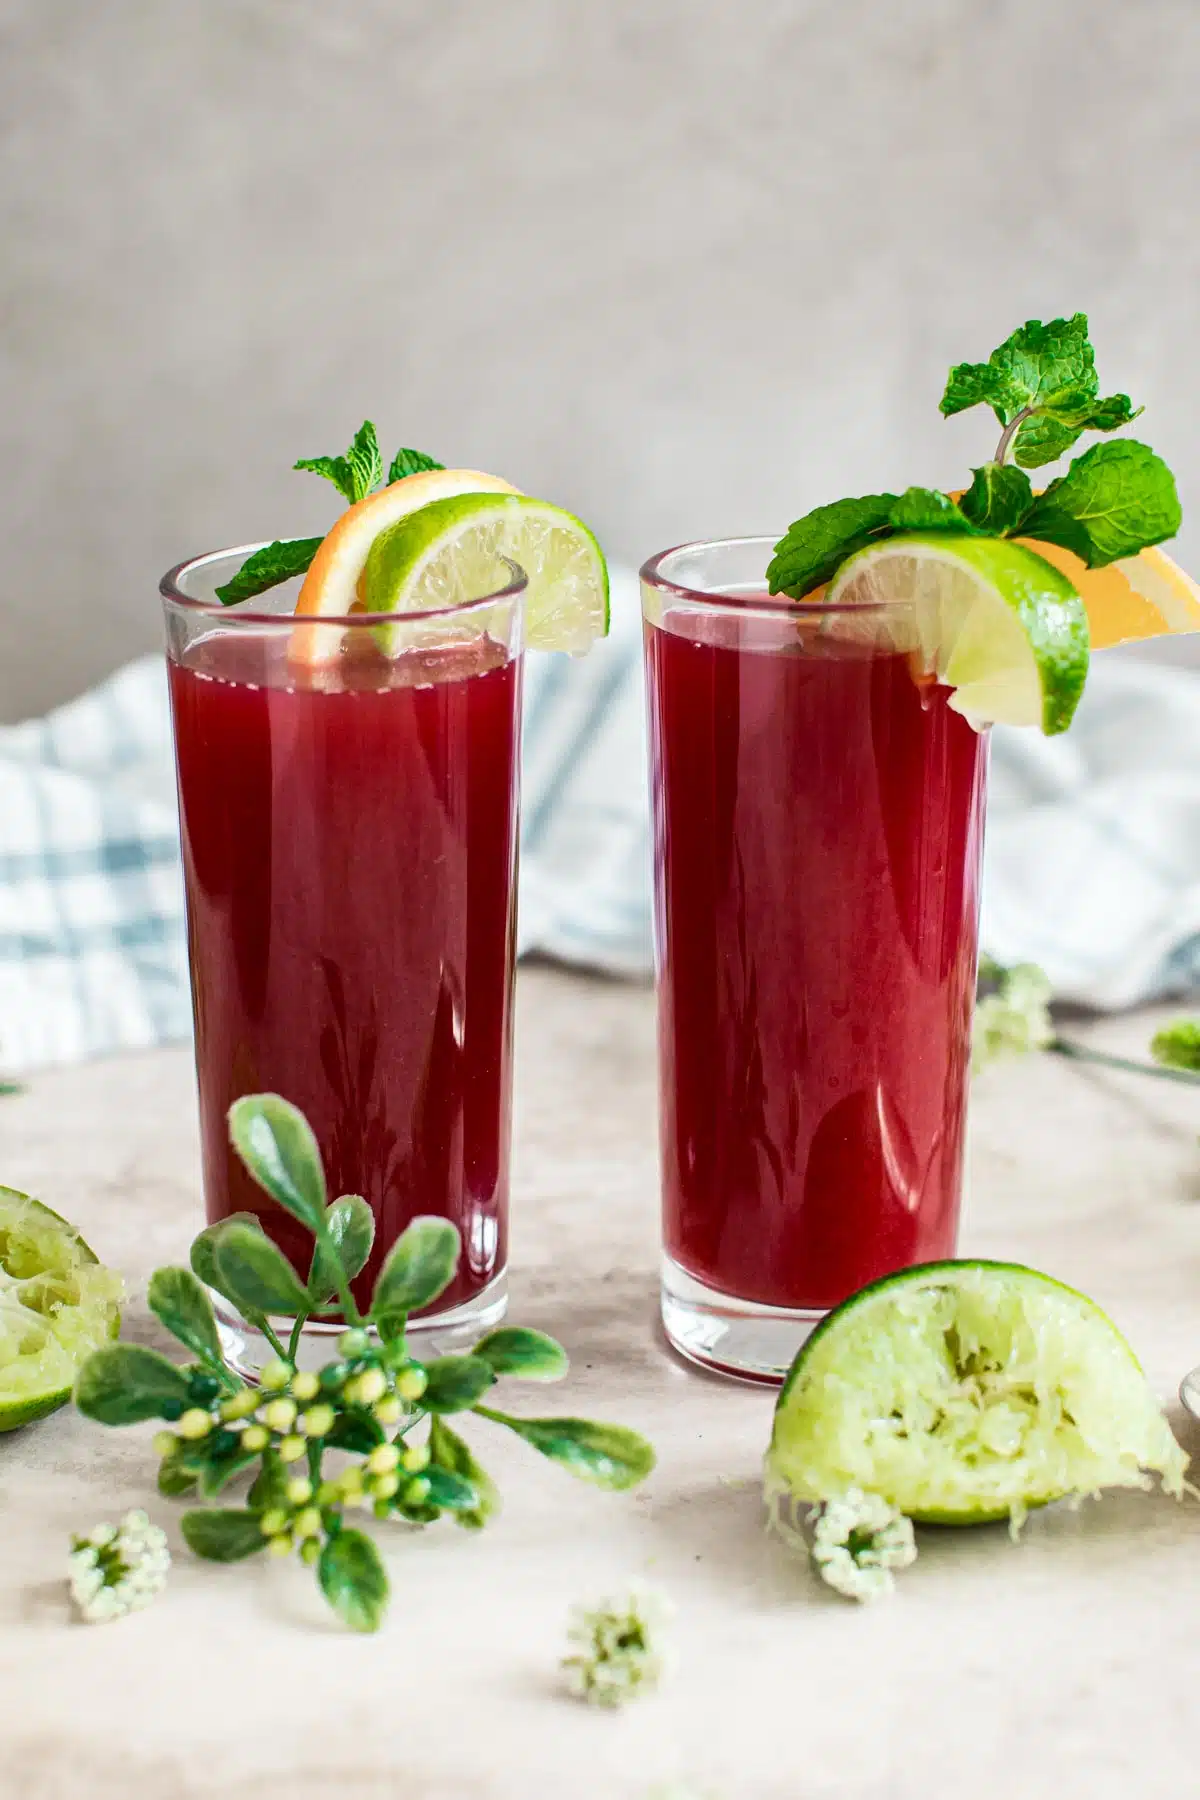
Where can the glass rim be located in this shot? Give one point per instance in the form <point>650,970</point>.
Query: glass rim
<point>171,592</point>
<point>777,605</point>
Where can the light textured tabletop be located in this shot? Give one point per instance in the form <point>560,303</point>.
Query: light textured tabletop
<point>1063,1666</point>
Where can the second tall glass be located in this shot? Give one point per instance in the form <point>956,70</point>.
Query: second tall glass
<point>348,809</point>
<point>818,823</point>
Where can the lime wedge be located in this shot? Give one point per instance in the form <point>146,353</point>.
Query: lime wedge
<point>450,552</point>
<point>963,1392</point>
<point>991,619</point>
<point>57,1304</point>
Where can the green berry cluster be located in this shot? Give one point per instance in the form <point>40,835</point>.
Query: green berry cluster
<point>295,1416</point>
<point>363,1408</point>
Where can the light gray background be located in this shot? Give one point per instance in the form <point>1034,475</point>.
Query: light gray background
<point>686,266</point>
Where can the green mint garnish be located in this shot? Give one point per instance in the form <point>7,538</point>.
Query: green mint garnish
<point>819,543</point>
<point>1114,500</point>
<point>354,475</point>
<point>267,567</point>
<point>373,1402</point>
<point>411,462</point>
<point>998,498</point>
<point>816,546</point>
<point>1042,386</point>
<point>925,509</point>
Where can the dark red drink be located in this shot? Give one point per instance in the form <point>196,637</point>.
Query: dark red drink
<point>349,842</point>
<point>819,814</point>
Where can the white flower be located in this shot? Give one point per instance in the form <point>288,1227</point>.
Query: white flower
<point>616,1646</point>
<point>118,1569</point>
<point>858,1541</point>
<point>1015,1019</point>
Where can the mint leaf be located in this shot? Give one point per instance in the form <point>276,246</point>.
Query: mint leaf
<point>267,567</point>
<point>366,463</point>
<point>1049,434</point>
<point>1113,501</point>
<point>1112,413</point>
<point>411,462</point>
<point>1038,366</point>
<point>814,548</point>
<point>1041,381</point>
<point>925,509</point>
<point>334,468</point>
<point>1042,439</point>
<point>998,498</point>
<point>354,474</point>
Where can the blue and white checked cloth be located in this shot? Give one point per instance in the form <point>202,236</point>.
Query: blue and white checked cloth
<point>1092,868</point>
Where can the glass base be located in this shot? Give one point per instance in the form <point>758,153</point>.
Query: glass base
<point>442,1334</point>
<point>731,1336</point>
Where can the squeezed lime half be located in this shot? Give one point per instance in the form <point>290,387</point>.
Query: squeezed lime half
<point>963,1392</point>
<point>450,552</point>
<point>57,1304</point>
<point>992,619</point>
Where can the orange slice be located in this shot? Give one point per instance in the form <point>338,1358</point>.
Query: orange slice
<point>1143,596</point>
<point>331,587</point>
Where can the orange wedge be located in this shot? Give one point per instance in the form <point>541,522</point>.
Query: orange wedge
<point>331,587</point>
<point>1141,596</point>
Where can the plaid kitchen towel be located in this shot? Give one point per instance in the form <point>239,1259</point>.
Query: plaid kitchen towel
<point>1092,867</point>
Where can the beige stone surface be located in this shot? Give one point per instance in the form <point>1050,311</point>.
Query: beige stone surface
<point>1063,1666</point>
<point>686,266</point>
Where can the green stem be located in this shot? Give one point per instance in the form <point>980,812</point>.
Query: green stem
<point>1009,433</point>
<point>225,1375</point>
<point>294,1341</point>
<point>350,1312</point>
<point>1081,1053</point>
<point>497,1418</point>
<point>263,1324</point>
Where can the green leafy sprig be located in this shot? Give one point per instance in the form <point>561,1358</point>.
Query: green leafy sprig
<point>1041,383</point>
<point>381,1409</point>
<point>355,474</point>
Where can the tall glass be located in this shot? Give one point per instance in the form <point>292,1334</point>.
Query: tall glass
<point>348,812</point>
<point>818,823</point>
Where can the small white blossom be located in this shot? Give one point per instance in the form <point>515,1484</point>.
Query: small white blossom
<point>858,1541</point>
<point>617,1646</point>
<point>118,1569</point>
<point>1015,1019</point>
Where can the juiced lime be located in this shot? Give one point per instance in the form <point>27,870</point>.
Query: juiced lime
<point>992,619</point>
<point>57,1303</point>
<point>450,551</point>
<point>967,1391</point>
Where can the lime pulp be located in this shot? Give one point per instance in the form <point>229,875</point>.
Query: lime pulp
<point>57,1304</point>
<point>963,1392</point>
<point>453,551</point>
<point>991,618</point>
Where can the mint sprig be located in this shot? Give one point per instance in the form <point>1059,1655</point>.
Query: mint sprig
<point>1041,383</point>
<point>1042,386</point>
<point>355,474</point>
